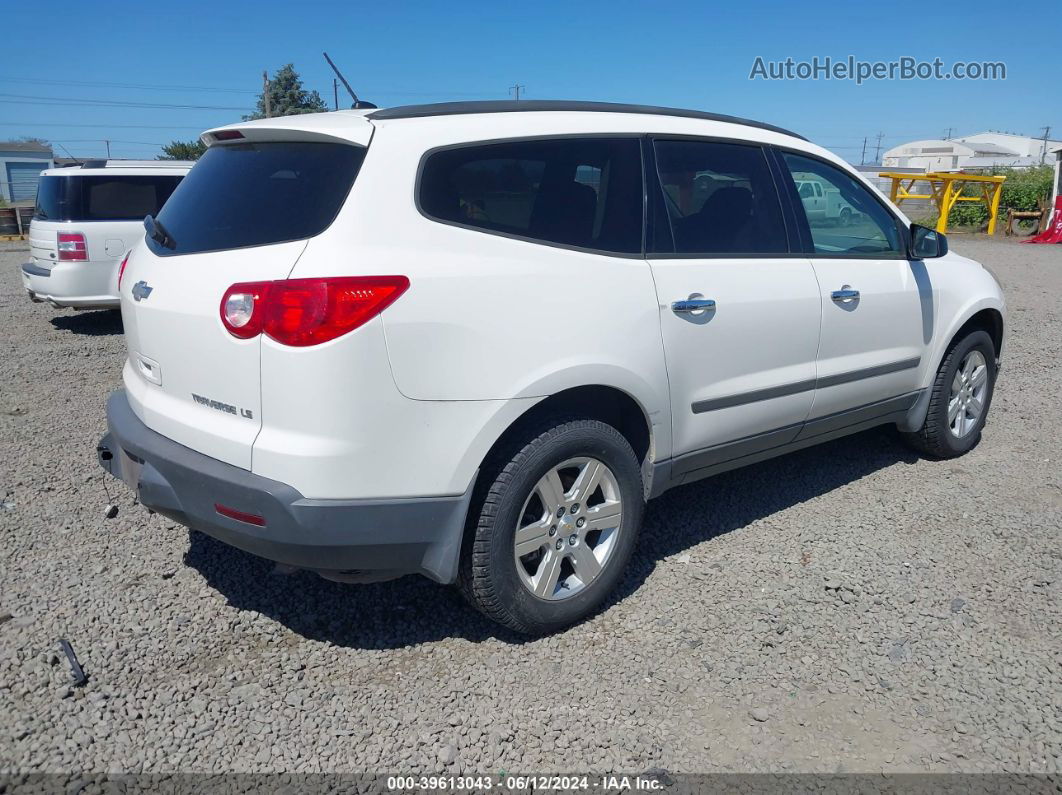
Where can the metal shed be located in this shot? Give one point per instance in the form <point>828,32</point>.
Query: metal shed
<point>21,163</point>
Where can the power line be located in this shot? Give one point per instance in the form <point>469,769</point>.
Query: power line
<point>33,99</point>
<point>152,87</point>
<point>109,126</point>
<point>97,140</point>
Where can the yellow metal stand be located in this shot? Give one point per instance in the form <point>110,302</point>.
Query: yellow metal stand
<point>946,190</point>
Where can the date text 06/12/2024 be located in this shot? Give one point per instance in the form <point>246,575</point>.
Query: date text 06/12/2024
<point>525,783</point>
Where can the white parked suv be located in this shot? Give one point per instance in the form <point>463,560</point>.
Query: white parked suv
<point>470,340</point>
<point>87,217</point>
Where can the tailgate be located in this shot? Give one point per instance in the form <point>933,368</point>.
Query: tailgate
<point>43,242</point>
<point>243,214</point>
<point>187,377</point>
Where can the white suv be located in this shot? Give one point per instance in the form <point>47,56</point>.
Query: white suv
<point>471,340</point>
<point>87,217</point>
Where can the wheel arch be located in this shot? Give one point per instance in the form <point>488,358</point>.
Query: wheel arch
<point>609,404</point>
<point>984,315</point>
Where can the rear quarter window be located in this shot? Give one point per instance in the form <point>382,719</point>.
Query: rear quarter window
<point>578,192</point>
<point>242,195</point>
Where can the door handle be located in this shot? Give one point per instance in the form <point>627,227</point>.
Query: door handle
<point>845,295</point>
<point>695,303</point>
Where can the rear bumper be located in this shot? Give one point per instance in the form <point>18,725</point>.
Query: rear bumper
<point>79,285</point>
<point>376,539</point>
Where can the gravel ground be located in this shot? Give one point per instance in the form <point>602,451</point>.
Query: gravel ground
<point>851,607</point>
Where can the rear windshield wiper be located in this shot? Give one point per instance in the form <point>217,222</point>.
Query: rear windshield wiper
<point>157,232</point>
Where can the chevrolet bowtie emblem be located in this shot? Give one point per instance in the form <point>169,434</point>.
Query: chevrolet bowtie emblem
<point>141,290</point>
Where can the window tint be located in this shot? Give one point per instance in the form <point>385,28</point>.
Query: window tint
<point>843,216</point>
<point>49,199</point>
<point>103,197</point>
<point>717,199</point>
<point>241,195</point>
<point>582,192</point>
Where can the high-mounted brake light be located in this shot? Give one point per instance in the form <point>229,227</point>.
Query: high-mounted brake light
<point>303,312</point>
<point>121,269</point>
<point>71,247</point>
<point>227,135</point>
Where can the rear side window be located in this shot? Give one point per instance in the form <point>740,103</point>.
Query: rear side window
<point>581,192</point>
<point>241,195</point>
<point>718,199</point>
<point>102,198</point>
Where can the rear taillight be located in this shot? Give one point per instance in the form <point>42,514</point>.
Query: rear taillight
<point>301,312</point>
<point>121,270</point>
<point>72,247</point>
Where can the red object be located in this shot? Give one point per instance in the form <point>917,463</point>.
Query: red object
<point>72,247</point>
<point>239,516</point>
<point>303,312</point>
<point>1053,233</point>
<point>227,135</point>
<point>121,270</point>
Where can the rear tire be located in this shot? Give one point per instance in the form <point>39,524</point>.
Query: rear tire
<point>960,399</point>
<point>570,492</point>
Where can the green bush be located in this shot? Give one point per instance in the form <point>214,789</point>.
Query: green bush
<point>1023,190</point>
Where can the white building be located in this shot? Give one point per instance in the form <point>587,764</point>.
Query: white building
<point>1036,148</point>
<point>981,151</point>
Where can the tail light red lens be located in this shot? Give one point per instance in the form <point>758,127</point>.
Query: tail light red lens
<point>303,312</point>
<point>72,247</point>
<point>121,270</point>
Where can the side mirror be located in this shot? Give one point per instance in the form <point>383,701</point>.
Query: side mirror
<point>927,243</point>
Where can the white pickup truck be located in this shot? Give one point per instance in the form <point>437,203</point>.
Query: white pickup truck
<point>824,203</point>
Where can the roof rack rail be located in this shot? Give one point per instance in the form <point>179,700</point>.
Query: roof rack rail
<point>526,106</point>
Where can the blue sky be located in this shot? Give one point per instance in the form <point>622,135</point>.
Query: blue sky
<point>685,54</point>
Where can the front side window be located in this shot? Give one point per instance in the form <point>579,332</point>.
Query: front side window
<point>843,217</point>
<point>581,192</point>
<point>718,199</point>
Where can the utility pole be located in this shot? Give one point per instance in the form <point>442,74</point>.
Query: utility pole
<point>947,133</point>
<point>265,94</point>
<point>877,149</point>
<point>108,149</point>
<point>863,157</point>
<point>335,91</point>
<point>514,91</point>
<point>1043,151</point>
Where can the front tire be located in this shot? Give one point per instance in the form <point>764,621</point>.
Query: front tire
<point>554,529</point>
<point>961,396</point>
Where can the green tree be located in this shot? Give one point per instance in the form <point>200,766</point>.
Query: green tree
<point>287,97</point>
<point>182,150</point>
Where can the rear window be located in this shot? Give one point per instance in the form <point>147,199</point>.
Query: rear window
<point>102,198</point>
<point>241,195</point>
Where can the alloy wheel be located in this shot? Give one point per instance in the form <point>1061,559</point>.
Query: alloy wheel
<point>966,401</point>
<point>568,528</point>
